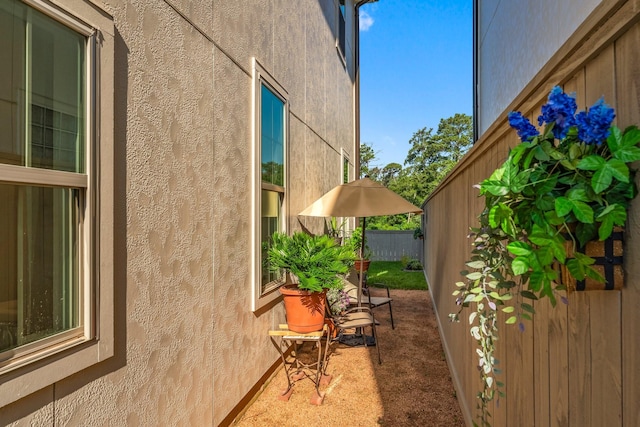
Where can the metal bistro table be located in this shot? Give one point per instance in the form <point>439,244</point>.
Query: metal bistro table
<point>296,369</point>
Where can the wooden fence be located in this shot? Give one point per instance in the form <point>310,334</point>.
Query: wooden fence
<point>577,364</point>
<point>392,245</point>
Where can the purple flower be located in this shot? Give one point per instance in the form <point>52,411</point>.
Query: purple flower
<point>522,125</point>
<point>594,124</point>
<point>559,109</point>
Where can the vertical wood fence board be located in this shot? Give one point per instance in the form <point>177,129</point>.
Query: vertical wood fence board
<point>558,370</point>
<point>580,360</point>
<point>541,363</point>
<point>628,82</point>
<point>606,345</point>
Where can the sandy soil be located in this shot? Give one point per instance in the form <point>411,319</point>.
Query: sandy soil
<point>412,387</point>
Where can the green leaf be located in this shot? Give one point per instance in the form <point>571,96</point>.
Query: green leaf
<point>606,228</point>
<point>545,255</point>
<point>494,216</point>
<point>520,181</point>
<point>497,188</point>
<point>519,248</point>
<point>547,184</point>
<point>583,212</point>
<point>578,194</point>
<point>601,180</point>
<point>575,268</point>
<point>591,273</point>
<point>618,169</point>
<point>476,264</point>
<point>508,309</point>
<point>574,152</point>
<point>527,307</point>
<point>585,260</point>
<point>535,281</point>
<point>615,211</point>
<point>614,141</point>
<point>568,164</point>
<point>511,320</point>
<point>631,136</point>
<point>528,294</point>
<point>591,163</point>
<point>516,153</point>
<point>519,265</point>
<point>563,206</point>
<point>627,154</point>
<point>497,174</point>
<point>559,250</point>
<point>585,232</point>
<point>474,276</point>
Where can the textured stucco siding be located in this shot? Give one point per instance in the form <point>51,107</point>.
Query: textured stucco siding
<point>535,30</point>
<point>188,346</point>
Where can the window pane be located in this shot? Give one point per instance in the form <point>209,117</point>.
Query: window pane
<point>271,220</point>
<point>272,137</point>
<point>39,271</point>
<point>345,170</point>
<point>42,90</point>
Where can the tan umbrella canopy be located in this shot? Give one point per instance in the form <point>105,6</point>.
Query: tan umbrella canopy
<point>360,198</point>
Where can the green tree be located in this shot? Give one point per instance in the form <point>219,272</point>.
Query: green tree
<point>431,156</point>
<point>367,162</point>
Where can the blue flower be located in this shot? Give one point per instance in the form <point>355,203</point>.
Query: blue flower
<point>594,124</point>
<point>521,124</point>
<point>559,109</point>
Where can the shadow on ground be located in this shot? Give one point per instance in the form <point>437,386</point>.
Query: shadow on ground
<point>412,387</point>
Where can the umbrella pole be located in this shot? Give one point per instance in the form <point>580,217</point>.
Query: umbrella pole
<point>361,278</point>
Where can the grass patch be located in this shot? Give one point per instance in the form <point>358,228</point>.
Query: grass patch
<point>391,274</point>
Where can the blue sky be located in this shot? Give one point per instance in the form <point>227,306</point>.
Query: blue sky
<point>416,61</point>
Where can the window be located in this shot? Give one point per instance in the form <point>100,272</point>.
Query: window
<point>270,135</point>
<point>345,168</point>
<point>48,194</point>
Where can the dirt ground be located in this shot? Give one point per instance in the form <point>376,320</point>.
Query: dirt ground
<point>412,387</point>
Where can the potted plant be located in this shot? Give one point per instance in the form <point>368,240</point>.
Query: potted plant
<point>363,260</point>
<point>418,233</point>
<point>314,264</point>
<point>557,191</point>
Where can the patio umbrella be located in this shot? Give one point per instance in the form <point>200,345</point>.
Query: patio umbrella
<point>360,198</point>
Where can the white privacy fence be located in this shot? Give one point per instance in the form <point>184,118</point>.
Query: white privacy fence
<point>392,245</point>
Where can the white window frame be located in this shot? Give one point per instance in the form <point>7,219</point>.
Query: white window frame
<point>260,76</point>
<point>344,157</point>
<point>56,358</point>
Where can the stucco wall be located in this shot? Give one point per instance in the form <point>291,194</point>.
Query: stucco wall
<point>535,30</point>
<point>188,347</point>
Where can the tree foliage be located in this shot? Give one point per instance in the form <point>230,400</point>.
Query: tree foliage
<point>430,157</point>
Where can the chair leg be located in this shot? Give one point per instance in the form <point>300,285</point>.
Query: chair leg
<point>391,315</point>
<point>375,337</point>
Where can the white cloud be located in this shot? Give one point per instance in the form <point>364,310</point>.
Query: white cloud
<point>366,21</point>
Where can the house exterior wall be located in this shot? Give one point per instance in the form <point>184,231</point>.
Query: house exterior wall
<point>575,364</point>
<point>535,31</point>
<point>188,348</point>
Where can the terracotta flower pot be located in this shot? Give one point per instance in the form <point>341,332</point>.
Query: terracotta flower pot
<point>365,264</point>
<point>305,310</point>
